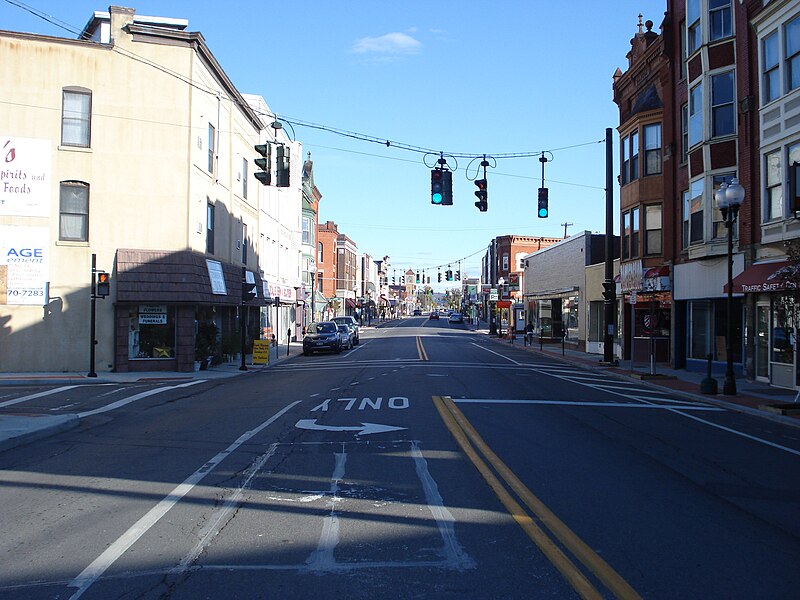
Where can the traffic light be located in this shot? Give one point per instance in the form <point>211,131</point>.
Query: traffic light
<point>394,280</point>
<point>440,276</point>
<point>282,166</point>
<point>263,163</point>
<point>609,290</point>
<point>458,275</point>
<point>248,285</point>
<point>482,194</point>
<point>441,187</point>
<point>402,280</point>
<point>448,275</point>
<point>417,277</point>
<point>543,212</point>
<point>103,287</point>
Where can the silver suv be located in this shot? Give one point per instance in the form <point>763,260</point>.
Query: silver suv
<point>349,321</point>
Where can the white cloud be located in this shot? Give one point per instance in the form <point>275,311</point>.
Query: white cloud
<point>391,43</point>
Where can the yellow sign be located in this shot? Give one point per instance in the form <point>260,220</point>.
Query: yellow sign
<point>260,352</point>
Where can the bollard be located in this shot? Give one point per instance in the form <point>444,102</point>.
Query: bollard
<point>709,384</point>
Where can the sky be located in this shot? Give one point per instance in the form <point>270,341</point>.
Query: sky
<point>460,77</point>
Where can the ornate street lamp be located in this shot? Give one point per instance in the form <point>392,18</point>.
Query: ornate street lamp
<point>729,198</point>
<point>312,270</point>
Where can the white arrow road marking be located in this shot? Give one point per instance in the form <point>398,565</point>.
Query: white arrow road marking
<point>363,429</point>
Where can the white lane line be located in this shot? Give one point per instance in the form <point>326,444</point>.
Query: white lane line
<point>135,397</point>
<point>63,388</point>
<point>322,559</point>
<point>495,353</point>
<point>583,403</point>
<point>455,556</point>
<point>99,566</point>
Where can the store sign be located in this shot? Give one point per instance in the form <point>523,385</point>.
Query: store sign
<point>153,314</point>
<point>513,282</point>
<point>630,274</point>
<point>25,177</point>
<point>24,253</point>
<point>217,277</point>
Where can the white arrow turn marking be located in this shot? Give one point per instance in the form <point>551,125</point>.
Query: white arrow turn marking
<point>363,429</point>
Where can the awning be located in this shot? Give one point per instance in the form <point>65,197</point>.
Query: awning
<point>350,303</point>
<point>762,277</point>
<point>661,271</point>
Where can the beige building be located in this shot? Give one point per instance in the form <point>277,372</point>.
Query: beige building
<point>131,145</point>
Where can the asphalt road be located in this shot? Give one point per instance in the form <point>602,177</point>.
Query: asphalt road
<point>428,462</point>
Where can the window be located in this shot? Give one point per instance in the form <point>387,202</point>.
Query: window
<point>626,160</point>
<point>696,115</point>
<point>792,39</point>
<point>210,228</point>
<point>211,147</point>
<point>699,329</point>
<point>723,115</point>
<point>152,331</point>
<point>771,76</point>
<point>718,226</point>
<point>683,50</point>
<point>719,19</point>
<point>686,214</point>
<point>695,209</point>
<point>773,205</point>
<point>76,117</point>
<point>319,252</point>
<point>244,243</point>
<point>634,155</point>
<point>73,219</point>
<point>306,230</point>
<point>652,227</point>
<point>244,178</point>
<point>652,149</point>
<point>635,233</point>
<point>505,262</point>
<point>694,34</point>
<point>626,234</point>
<point>684,133</point>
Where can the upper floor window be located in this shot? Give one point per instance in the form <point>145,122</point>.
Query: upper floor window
<point>792,37</point>
<point>212,141</point>
<point>244,243</point>
<point>244,178</point>
<point>694,33</point>
<point>652,149</point>
<point>771,72</point>
<point>719,19</point>
<point>723,113</point>
<point>693,213</point>
<point>73,217</point>
<point>626,160</point>
<point>210,228</point>
<point>76,117</point>
<point>505,262</point>
<point>773,205</point>
<point>319,252</point>
<point>683,50</point>
<point>306,230</point>
<point>696,115</point>
<point>634,155</point>
<point>718,228</point>
<point>684,133</point>
<point>635,233</point>
<point>652,228</point>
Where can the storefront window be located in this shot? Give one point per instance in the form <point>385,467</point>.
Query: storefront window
<point>596,331</point>
<point>708,328</point>
<point>699,325</point>
<point>151,333</point>
<point>570,316</point>
<point>784,313</point>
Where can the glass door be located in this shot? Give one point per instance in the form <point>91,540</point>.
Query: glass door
<point>762,342</point>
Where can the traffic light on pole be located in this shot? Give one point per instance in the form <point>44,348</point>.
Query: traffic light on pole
<point>482,194</point>
<point>609,290</point>
<point>441,187</point>
<point>440,276</point>
<point>543,212</point>
<point>103,288</point>
<point>263,163</point>
<point>417,276</point>
<point>458,275</point>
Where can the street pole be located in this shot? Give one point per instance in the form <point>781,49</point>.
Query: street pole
<point>243,323</point>
<point>729,385</point>
<point>610,298</point>
<point>92,326</point>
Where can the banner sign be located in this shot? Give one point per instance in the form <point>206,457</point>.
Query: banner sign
<point>24,255</point>
<point>25,175</point>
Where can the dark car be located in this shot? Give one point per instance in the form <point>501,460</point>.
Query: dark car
<point>417,312</point>
<point>321,337</point>
<point>349,321</point>
<point>456,318</point>
<point>348,335</point>
<point>434,316</point>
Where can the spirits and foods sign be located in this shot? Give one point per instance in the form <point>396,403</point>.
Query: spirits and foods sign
<point>24,177</point>
<point>23,264</point>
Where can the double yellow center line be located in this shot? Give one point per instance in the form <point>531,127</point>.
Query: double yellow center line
<point>473,446</point>
<point>421,349</point>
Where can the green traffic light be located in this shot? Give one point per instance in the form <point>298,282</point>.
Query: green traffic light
<point>436,198</point>
<point>542,213</point>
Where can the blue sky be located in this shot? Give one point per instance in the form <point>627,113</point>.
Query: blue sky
<point>461,77</point>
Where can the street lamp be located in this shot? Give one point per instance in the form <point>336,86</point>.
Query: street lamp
<point>312,270</point>
<point>729,198</point>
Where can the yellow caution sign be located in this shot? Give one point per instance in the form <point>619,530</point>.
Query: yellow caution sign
<point>260,352</point>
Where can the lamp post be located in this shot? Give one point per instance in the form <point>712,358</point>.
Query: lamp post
<point>312,270</point>
<point>729,198</point>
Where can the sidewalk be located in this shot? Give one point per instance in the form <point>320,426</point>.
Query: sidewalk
<point>753,397</point>
<point>19,429</point>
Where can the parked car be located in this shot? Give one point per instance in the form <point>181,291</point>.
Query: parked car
<point>417,312</point>
<point>434,316</point>
<point>321,337</point>
<point>456,318</point>
<point>349,321</point>
<point>348,335</point>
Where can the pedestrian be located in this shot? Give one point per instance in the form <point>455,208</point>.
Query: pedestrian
<point>529,334</point>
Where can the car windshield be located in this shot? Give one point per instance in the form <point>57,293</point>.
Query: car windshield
<point>326,328</point>
<point>344,328</point>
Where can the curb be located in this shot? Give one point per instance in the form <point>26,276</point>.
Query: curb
<point>52,426</point>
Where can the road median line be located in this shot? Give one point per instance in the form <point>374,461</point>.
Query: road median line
<point>421,349</point>
<point>466,436</point>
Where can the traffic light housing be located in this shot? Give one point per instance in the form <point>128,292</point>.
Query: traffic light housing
<point>417,277</point>
<point>609,291</point>
<point>282,166</point>
<point>103,287</point>
<point>441,187</point>
<point>458,275</point>
<point>482,204</point>
<point>543,211</point>
<point>248,285</point>
<point>263,163</point>
<point>440,276</point>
